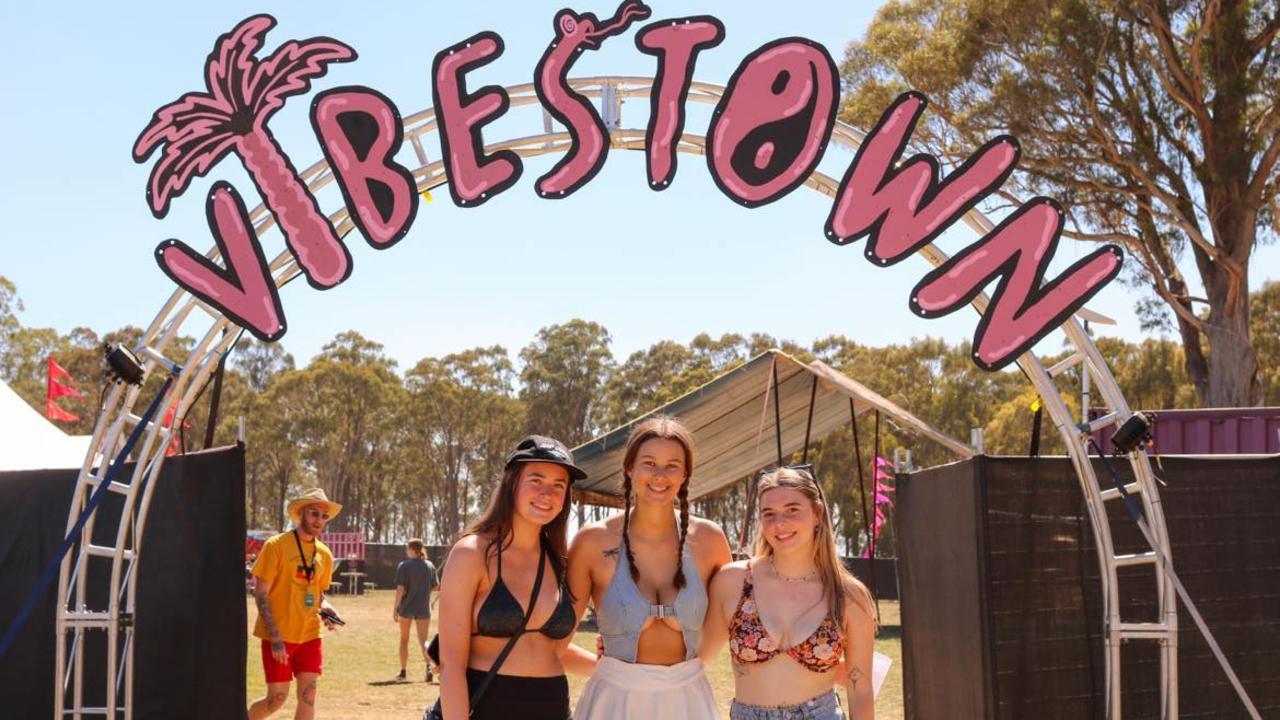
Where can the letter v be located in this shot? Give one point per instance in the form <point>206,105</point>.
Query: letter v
<point>1022,309</point>
<point>244,292</point>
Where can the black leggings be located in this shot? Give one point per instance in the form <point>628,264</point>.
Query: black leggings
<point>527,698</point>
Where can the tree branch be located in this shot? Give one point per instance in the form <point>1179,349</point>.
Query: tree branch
<point>1263,174</point>
<point>1267,34</point>
<point>1184,90</point>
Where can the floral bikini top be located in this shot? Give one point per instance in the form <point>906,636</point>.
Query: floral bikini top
<point>750,642</point>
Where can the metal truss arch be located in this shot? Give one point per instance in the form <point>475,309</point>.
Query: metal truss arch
<point>117,418</point>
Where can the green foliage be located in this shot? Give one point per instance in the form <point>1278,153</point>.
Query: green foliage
<point>1156,124</point>
<point>1265,320</point>
<point>260,362</point>
<point>563,372</point>
<point>418,454</point>
<point>465,418</point>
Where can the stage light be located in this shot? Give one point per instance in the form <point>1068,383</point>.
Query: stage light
<point>1134,432</point>
<point>125,366</point>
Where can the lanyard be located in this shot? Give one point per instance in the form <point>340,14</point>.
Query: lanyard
<point>308,570</point>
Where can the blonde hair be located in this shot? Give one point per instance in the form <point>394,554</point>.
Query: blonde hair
<point>417,547</point>
<point>837,581</point>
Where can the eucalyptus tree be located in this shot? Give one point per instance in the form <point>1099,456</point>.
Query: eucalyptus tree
<point>1156,123</point>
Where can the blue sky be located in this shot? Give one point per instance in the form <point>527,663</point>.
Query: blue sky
<point>80,84</point>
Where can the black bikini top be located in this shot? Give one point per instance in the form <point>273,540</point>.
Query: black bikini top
<point>502,616</point>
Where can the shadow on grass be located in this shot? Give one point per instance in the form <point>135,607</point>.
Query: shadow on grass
<point>392,681</point>
<point>889,632</point>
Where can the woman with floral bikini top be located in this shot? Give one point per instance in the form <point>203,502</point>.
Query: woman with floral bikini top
<point>751,643</point>
<point>798,624</point>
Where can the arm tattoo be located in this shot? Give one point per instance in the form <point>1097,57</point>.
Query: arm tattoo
<point>264,612</point>
<point>855,674</point>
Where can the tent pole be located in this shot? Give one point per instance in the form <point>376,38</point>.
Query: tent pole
<point>808,425</point>
<point>857,455</point>
<point>749,505</point>
<point>875,485</point>
<point>777,412</point>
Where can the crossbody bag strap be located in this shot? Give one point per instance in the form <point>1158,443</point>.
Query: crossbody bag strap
<point>528,613</point>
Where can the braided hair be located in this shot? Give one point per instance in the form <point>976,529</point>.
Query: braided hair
<point>662,427</point>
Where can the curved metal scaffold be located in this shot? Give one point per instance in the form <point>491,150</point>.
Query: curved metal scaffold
<point>117,419</point>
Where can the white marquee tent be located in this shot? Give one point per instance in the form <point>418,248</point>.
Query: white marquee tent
<point>30,442</point>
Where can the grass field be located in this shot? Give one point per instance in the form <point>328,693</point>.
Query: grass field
<point>361,661</point>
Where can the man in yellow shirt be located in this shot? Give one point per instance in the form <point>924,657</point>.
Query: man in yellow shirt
<point>291,575</point>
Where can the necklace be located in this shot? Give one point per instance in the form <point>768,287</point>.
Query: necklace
<point>811,575</point>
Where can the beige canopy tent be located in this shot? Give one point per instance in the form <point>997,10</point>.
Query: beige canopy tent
<point>735,419</point>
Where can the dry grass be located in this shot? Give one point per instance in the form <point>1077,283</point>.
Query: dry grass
<point>361,660</point>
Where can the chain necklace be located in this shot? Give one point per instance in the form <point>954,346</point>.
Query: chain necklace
<point>811,575</point>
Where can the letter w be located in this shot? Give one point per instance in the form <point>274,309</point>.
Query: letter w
<point>901,210</point>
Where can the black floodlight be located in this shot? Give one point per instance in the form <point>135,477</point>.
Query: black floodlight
<point>1134,432</point>
<point>125,366</point>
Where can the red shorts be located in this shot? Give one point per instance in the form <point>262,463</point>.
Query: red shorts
<point>303,658</point>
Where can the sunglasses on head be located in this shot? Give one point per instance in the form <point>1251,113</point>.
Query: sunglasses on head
<point>805,467</point>
<point>801,467</point>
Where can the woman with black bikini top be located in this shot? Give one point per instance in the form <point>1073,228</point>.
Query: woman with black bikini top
<point>518,544</point>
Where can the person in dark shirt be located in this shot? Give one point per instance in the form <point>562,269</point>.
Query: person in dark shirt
<point>415,579</point>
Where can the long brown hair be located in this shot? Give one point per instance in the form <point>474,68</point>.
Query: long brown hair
<point>837,581</point>
<point>662,427</point>
<point>498,518</point>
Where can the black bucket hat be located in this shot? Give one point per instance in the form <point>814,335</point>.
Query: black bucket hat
<point>539,448</point>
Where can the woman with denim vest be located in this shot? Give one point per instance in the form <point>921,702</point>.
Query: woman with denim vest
<point>646,571</point>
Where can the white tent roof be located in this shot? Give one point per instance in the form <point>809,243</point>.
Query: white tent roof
<point>732,419</point>
<point>30,442</point>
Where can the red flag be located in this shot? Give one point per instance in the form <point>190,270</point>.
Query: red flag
<point>175,442</point>
<point>53,412</point>
<point>56,389</point>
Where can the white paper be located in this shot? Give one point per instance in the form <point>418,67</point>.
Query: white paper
<point>880,665</point>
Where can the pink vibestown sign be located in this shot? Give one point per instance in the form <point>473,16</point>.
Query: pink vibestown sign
<point>766,136</point>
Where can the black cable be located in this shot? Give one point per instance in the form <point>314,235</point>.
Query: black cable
<point>212,422</point>
<point>182,431</point>
<point>1034,450</point>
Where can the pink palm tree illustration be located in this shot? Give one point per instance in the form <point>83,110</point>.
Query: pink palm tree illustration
<point>242,93</point>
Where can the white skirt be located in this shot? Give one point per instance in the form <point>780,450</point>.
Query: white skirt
<point>620,690</point>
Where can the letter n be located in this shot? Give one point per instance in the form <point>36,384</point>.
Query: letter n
<point>1023,309</point>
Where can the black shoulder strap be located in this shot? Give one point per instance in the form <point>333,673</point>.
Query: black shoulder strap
<point>528,613</point>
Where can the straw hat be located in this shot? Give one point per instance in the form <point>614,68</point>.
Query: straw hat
<point>313,496</point>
